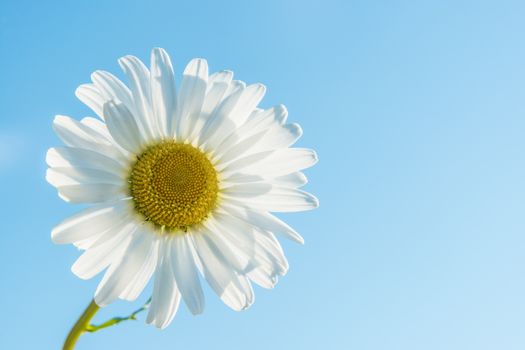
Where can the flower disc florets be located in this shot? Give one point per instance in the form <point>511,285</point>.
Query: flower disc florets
<point>174,185</point>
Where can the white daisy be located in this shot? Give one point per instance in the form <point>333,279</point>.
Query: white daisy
<point>181,182</point>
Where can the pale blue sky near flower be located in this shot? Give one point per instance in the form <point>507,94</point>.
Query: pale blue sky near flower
<point>417,111</point>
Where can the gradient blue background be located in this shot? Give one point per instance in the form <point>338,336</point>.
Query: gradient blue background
<point>417,110</point>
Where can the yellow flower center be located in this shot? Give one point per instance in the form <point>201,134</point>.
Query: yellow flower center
<point>173,185</point>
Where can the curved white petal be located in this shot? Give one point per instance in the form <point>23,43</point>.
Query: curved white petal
<point>224,76</point>
<point>97,258</point>
<point>240,178</point>
<point>119,276</point>
<point>139,83</point>
<point>219,125</point>
<point>234,87</point>
<point>243,163</point>
<point>89,222</point>
<point>265,221</point>
<point>218,84</point>
<point>261,247</point>
<point>259,121</point>
<point>191,96</point>
<point>83,135</point>
<point>247,190</point>
<point>270,253</point>
<point>99,128</point>
<point>59,157</point>
<point>112,89</point>
<point>142,276</point>
<point>245,101</point>
<point>61,176</point>
<point>293,180</point>
<point>237,232</point>
<point>186,274</point>
<point>263,277</point>
<point>163,92</point>
<point>278,137</point>
<point>278,199</point>
<point>249,99</point>
<point>237,259</point>
<point>166,297</point>
<point>241,148</point>
<point>123,127</point>
<point>277,163</point>
<point>233,289</point>
<point>91,193</point>
<point>76,134</point>
<point>91,97</point>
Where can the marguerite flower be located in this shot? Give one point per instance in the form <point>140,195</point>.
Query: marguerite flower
<point>181,183</point>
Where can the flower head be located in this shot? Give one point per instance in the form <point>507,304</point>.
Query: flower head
<point>181,183</point>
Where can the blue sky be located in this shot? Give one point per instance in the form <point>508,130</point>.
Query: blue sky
<point>416,109</point>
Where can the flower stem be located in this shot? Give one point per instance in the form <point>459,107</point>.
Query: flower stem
<point>81,326</point>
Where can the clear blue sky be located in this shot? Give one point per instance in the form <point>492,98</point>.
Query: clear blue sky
<point>417,110</point>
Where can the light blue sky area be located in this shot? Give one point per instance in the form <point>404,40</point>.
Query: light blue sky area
<point>417,110</point>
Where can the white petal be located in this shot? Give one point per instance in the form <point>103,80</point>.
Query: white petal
<point>87,243</point>
<point>250,98</point>
<point>246,162</point>
<point>91,97</point>
<point>163,92</point>
<point>277,137</point>
<point>139,82</point>
<point>234,257</point>
<point>247,190</point>
<point>234,87</point>
<point>218,84</point>
<point>191,95</point>
<point>75,157</point>
<point>278,199</point>
<point>75,176</point>
<point>260,120</point>
<point>112,89</point>
<point>293,180</point>
<point>89,222</point>
<point>123,127</point>
<point>240,178</point>
<point>234,290</point>
<point>241,148</point>
<point>166,297</point>
<point>263,277</point>
<point>186,274</point>
<point>236,230</point>
<point>265,221</point>
<point>269,253</point>
<point>279,163</point>
<point>245,102</point>
<point>99,128</point>
<point>219,125</point>
<point>119,277</point>
<point>76,134</point>
<point>261,248</point>
<point>224,76</point>
<point>91,193</point>
<point>99,131</point>
<point>142,276</point>
<point>97,258</point>
<point>83,135</point>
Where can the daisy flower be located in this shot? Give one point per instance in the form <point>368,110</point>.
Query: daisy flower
<point>180,183</point>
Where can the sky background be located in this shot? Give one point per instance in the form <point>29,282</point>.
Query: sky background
<point>417,111</point>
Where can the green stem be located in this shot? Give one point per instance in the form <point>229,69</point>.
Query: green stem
<point>116,320</point>
<point>81,326</point>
